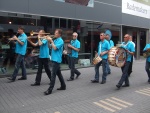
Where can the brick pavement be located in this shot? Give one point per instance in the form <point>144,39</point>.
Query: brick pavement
<point>20,97</point>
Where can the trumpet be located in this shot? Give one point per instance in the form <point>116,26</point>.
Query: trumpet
<point>36,33</point>
<point>11,37</point>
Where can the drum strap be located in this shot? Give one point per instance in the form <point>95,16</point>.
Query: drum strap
<point>100,48</point>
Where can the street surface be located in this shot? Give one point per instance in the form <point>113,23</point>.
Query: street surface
<point>81,96</point>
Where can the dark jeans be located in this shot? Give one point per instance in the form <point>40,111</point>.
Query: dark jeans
<point>104,67</point>
<point>43,62</point>
<point>124,77</point>
<point>19,63</point>
<point>71,64</point>
<point>56,71</point>
<point>130,67</point>
<point>108,68</point>
<point>147,66</point>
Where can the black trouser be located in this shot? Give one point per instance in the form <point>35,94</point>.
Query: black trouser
<point>56,71</point>
<point>147,66</point>
<point>130,66</point>
<point>124,77</point>
<point>43,62</point>
<point>71,64</point>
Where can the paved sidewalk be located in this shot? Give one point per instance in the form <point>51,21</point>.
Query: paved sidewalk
<point>81,95</point>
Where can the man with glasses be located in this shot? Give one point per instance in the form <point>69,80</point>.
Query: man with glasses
<point>72,57</point>
<point>129,47</point>
<point>103,49</point>
<point>108,38</point>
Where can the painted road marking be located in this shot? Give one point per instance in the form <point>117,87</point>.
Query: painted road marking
<point>122,101</point>
<point>113,104</point>
<point>105,107</point>
<point>145,91</point>
<point>117,103</point>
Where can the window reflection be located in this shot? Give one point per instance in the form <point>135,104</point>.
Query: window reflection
<point>88,35</point>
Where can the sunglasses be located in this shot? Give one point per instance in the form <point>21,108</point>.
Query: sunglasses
<point>126,37</point>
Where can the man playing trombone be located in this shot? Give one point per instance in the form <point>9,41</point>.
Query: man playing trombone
<point>56,58</point>
<point>43,57</point>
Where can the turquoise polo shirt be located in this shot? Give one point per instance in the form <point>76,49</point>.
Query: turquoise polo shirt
<point>147,47</point>
<point>21,49</point>
<point>76,44</point>
<point>129,46</point>
<point>111,43</point>
<point>103,46</point>
<point>56,55</point>
<point>44,50</point>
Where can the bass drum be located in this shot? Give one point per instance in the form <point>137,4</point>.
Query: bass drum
<point>117,56</point>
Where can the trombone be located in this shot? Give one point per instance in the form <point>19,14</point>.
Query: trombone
<point>36,33</point>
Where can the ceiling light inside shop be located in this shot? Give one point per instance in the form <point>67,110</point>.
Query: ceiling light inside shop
<point>10,22</point>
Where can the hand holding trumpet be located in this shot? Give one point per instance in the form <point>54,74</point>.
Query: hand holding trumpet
<point>13,38</point>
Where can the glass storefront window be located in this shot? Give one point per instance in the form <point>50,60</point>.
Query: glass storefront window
<point>88,35</point>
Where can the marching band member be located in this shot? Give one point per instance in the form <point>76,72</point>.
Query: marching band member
<point>72,57</point>
<point>147,65</point>
<point>130,67</point>
<point>128,46</point>
<point>108,38</point>
<point>21,46</point>
<point>56,58</point>
<point>103,49</point>
<point>43,59</point>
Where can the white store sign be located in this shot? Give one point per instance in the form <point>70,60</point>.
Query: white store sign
<point>135,8</point>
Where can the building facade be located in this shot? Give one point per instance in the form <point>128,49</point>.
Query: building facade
<point>88,18</point>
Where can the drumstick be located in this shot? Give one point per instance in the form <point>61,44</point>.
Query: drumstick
<point>96,54</point>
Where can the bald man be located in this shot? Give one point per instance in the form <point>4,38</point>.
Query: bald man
<point>128,46</point>
<point>72,57</point>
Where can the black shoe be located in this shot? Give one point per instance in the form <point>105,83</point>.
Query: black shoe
<point>11,80</point>
<point>22,78</point>
<point>126,85</point>
<point>47,92</point>
<point>109,73</point>
<point>70,79</point>
<point>61,88</point>
<point>103,82</point>
<point>94,81</point>
<point>118,86</point>
<point>35,84</point>
<point>78,76</point>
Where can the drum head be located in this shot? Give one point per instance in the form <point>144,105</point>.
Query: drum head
<point>121,57</point>
<point>117,56</point>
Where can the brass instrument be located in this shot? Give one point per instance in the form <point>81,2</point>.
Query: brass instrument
<point>147,53</point>
<point>12,37</point>
<point>36,33</point>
